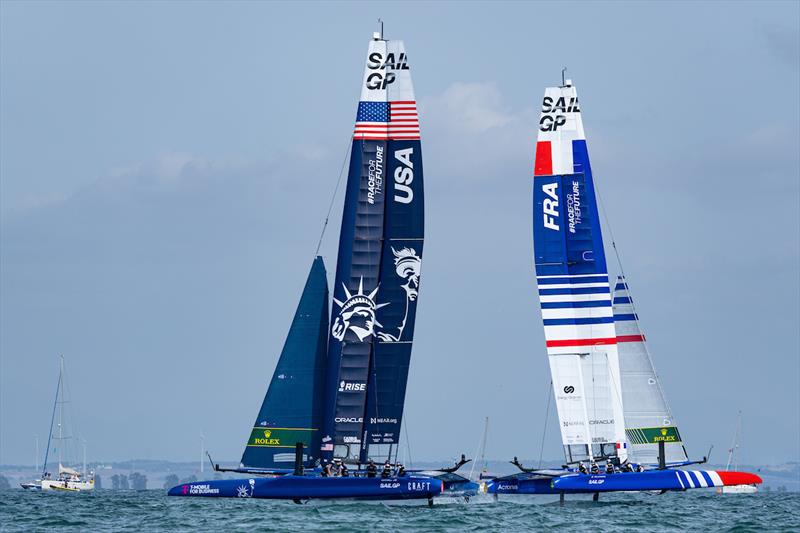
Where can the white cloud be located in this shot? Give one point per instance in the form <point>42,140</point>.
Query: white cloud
<point>468,107</point>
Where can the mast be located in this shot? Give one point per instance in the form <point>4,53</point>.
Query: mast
<point>732,458</point>
<point>61,417</point>
<point>52,420</point>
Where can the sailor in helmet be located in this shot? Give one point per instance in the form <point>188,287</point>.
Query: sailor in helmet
<point>609,467</point>
<point>372,470</point>
<point>387,469</point>
<point>582,468</point>
<point>401,470</point>
<point>594,468</point>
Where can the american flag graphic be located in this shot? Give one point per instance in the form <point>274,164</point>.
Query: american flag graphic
<point>387,120</point>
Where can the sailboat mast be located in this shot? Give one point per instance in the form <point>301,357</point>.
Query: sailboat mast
<point>61,415</point>
<point>52,420</point>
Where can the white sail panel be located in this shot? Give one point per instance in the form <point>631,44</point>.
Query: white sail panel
<point>648,419</point>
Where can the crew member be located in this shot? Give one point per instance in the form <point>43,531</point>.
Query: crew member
<point>387,469</point>
<point>609,467</point>
<point>401,470</point>
<point>595,469</point>
<point>582,468</point>
<point>372,470</point>
<point>640,468</point>
<point>325,472</point>
<point>343,471</point>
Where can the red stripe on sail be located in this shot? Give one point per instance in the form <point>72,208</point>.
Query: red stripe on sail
<point>581,342</point>
<point>544,159</point>
<point>630,338</point>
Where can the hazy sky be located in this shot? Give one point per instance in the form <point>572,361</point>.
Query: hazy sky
<point>166,168</point>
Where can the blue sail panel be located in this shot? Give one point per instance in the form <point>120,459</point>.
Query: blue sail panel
<point>400,281</point>
<point>293,406</point>
<point>567,240</point>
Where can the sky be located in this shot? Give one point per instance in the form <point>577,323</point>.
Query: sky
<point>166,167</point>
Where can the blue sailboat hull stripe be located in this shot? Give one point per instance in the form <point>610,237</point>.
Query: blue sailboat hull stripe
<point>620,318</point>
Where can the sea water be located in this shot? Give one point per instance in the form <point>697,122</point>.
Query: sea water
<point>152,510</point>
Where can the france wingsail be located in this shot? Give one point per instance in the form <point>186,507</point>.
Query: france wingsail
<point>339,385</point>
<point>610,404</point>
<point>574,292</point>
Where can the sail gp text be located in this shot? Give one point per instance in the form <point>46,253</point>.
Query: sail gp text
<point>375,176</point>
<point>381,77</point>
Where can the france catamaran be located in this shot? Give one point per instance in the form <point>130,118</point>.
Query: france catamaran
<point>67,479</point>
<point>610,404</point>
<point>337,394</point>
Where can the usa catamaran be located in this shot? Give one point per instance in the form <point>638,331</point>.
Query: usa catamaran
<point>336,397</point>
<point>610,403</point>
<point>66,479</point>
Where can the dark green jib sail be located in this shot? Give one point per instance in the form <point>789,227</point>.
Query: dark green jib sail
<point>293,407</point>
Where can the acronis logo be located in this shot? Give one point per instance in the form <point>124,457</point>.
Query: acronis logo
<point>550,206</point>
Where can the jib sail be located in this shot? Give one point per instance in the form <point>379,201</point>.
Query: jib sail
<point>648,419</point>
<point>572,279</point>
<point>293,406</point>
<point>378,268</point>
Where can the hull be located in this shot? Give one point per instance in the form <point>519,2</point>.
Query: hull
<point>69,486</point>
<point>738,489</point>
<point>521,484</point>
<point>292,487</point>
<point>653,480</point>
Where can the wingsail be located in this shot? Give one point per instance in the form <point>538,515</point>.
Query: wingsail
<point>378,268</point>
<point>648,419</point>
<point>292,408</point>
<point>572,279</point>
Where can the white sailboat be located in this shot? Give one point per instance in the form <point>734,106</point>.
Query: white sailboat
<point>733,460</point>
<point>66,479</point>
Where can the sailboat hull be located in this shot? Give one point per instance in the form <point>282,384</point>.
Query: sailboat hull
<point>669,479</point>
<point>292,487</point>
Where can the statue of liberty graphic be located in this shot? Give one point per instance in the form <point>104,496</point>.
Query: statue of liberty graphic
<point>407,265</point>
<point>357,313</point>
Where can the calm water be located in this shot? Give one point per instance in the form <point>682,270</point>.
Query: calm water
<point>153,511</point>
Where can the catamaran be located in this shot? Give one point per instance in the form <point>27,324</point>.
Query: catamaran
<point>337,394</point>
<point>67,479</point>
<point>610,403</point>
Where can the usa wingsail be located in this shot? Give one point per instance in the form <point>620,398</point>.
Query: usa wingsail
<point>337,394</point>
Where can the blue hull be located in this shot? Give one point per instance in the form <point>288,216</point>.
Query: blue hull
<point>572,483</point>
<point>521,484</point>
<point>292,487</point>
